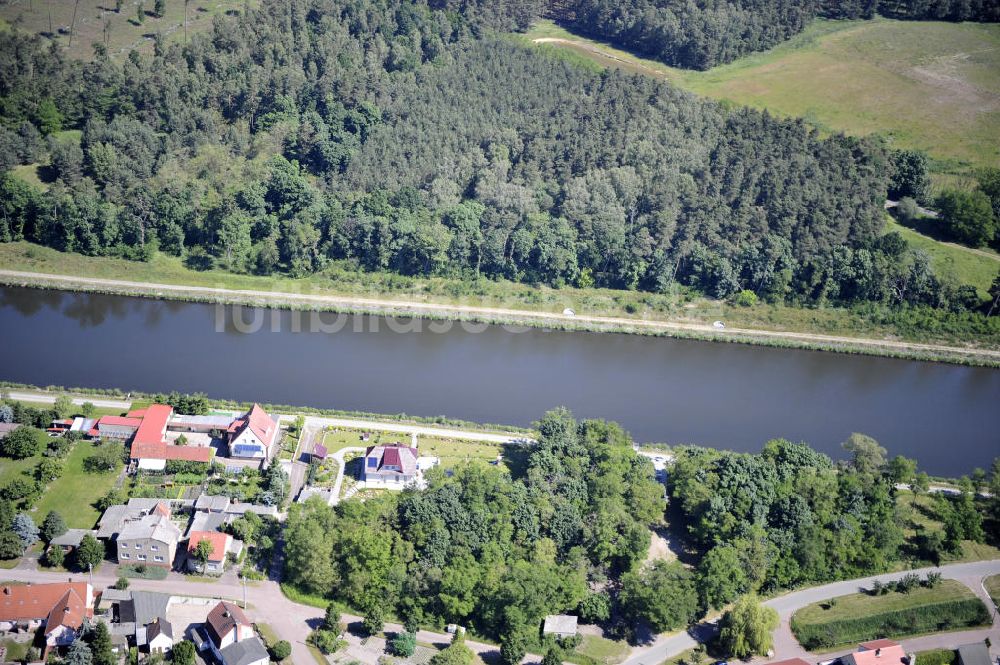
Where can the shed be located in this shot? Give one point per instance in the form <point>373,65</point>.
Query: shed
<point>974,654</point>
<point>72,538</point>
<point>319,452</point>
<point>560,625</point>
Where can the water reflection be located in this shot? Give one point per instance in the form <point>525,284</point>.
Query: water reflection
<point>675,391</point>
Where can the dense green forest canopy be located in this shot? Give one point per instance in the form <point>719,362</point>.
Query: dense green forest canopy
<point>700,34</point>
<point>567,529</point>
<point>483,547</point>
<point>400,136</point>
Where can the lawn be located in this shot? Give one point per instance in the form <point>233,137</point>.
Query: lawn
<point>124,31</point>
<point>451,451</point>
<point>75,491</point>
<point>928,85</point>
<point>594,650</point>
<point>857,617</point>
<point>992,585</point>
<point>976,267</point>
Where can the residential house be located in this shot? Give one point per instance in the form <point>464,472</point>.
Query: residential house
<point>976,653</point>
<point>223,545</point>
<point>391,464</point>
<point>791,661</point>
<point>70,540</point>
<point>139,618</point>
<point>59,608</point>
<point>151,539</point>
<point>231,637</point>
<point>253,435</point>
<point>877,652</point>
<point>156,637</point>
<point>560,625</point>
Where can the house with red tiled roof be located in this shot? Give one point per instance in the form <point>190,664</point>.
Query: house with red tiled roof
<point>59,608</point>
<point>253,435</point>
<point>154,456</point>
<point>877,652</point>
<point>231,637</point>
<point>222,546</point>
<point>393,464</point>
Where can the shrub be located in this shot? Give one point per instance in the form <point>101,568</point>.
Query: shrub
<point>281,650</point>
<point>932,580</point>
<point>122,583</point>
<point>936,657</point>
<point>908,583</point>
<point>55,556</point>
<point>404,644</point>
<point>746,298</point>
<point>326,641</point>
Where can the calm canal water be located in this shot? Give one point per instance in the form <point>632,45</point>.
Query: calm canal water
<point>675,391</point>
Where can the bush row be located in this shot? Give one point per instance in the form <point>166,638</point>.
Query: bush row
<point>946,615</point>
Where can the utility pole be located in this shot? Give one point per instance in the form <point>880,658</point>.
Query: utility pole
<point>244,593</point>
<point>90,566</point>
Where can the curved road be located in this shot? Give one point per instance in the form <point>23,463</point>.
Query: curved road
<point>785,646</point>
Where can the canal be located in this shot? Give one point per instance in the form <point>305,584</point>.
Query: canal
<point>660,389</point>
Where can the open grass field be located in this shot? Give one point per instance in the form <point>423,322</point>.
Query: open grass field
<point>75,491</point>
<point>969,266</point>
<point>849,619</point>
<point>928,85</point>
<point>97,21</point>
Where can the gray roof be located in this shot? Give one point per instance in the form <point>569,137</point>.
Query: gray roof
<point>155,527</point>
<point>560,624</point>
<point>111,521</point>
<point>159,627</point>
<point>241,508</point>
<point>7,428</point>
<point>113,595</point>
<point>974,654</point>
<point>212,502</point>
<point>244,652</point>
<point>220,422</point>
<point>72,537</point>
<point>207,522</point>
<point>148,606</point>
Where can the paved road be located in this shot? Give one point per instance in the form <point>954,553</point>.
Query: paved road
<point>410,307</point>
<point>785,646</point>
<point>49,398</point>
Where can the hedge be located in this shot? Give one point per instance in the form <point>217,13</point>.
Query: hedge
<point>947,615</point>
<point>936,657</point>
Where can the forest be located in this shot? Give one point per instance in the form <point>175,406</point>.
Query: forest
<point>567,529</point>
<point>701,34</point>
<point>405,137</point>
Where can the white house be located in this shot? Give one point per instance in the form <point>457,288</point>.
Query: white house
<point>253,436</point>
